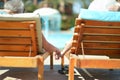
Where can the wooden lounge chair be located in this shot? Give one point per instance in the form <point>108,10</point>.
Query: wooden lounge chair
<point>96,44</point>
<point>21,43</point>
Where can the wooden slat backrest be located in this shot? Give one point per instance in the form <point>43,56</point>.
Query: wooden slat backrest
<point>96,38</point>
<point>18,37</point>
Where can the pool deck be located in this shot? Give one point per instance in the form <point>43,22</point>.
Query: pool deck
<point>31,73</point>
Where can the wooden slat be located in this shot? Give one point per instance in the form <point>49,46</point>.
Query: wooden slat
<point>15,24</point>
<point>16,47</point>
<point>12,40</point>
<point>17,53</point>
<point>18,62</point>
<point>101,52</point>
<point>102,42</point>
<point>96,23</point>
<point>15,33</point>
<point>103,63</point>
<point>101,38</point>
<point>104,27</point>
<point>100,34</point>
<point>102,30</point>
<point>102,45</point>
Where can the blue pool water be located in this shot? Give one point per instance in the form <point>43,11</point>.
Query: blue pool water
<point>59,39</point>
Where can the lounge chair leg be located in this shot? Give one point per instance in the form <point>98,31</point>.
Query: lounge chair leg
<point>62,70</point>
<point>51,61</point>
<point>71,70</point>
<point>62,63</point>
<point>40,68</point>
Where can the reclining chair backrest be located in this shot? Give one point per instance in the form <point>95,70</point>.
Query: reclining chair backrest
<point>20,35</point>
<point>99,33</point>
<point>97,38</point>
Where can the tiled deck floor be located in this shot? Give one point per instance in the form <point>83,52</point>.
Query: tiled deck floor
<point>31,74</point>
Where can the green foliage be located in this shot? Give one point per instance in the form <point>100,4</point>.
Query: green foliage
<point>30,8</point>
<point>68,22</point>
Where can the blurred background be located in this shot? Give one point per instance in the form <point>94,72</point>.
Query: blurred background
<point>69,9</point>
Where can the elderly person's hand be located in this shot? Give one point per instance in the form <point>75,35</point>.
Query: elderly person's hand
<point>57,54</point>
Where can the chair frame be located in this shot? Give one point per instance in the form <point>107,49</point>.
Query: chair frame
<point>95,42</point>
<point>26,29</point>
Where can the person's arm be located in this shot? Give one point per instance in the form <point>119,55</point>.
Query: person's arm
<point>50,48</point>
<point>66,48</point>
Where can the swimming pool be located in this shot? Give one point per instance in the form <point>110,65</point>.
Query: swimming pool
<point>59,39</point>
